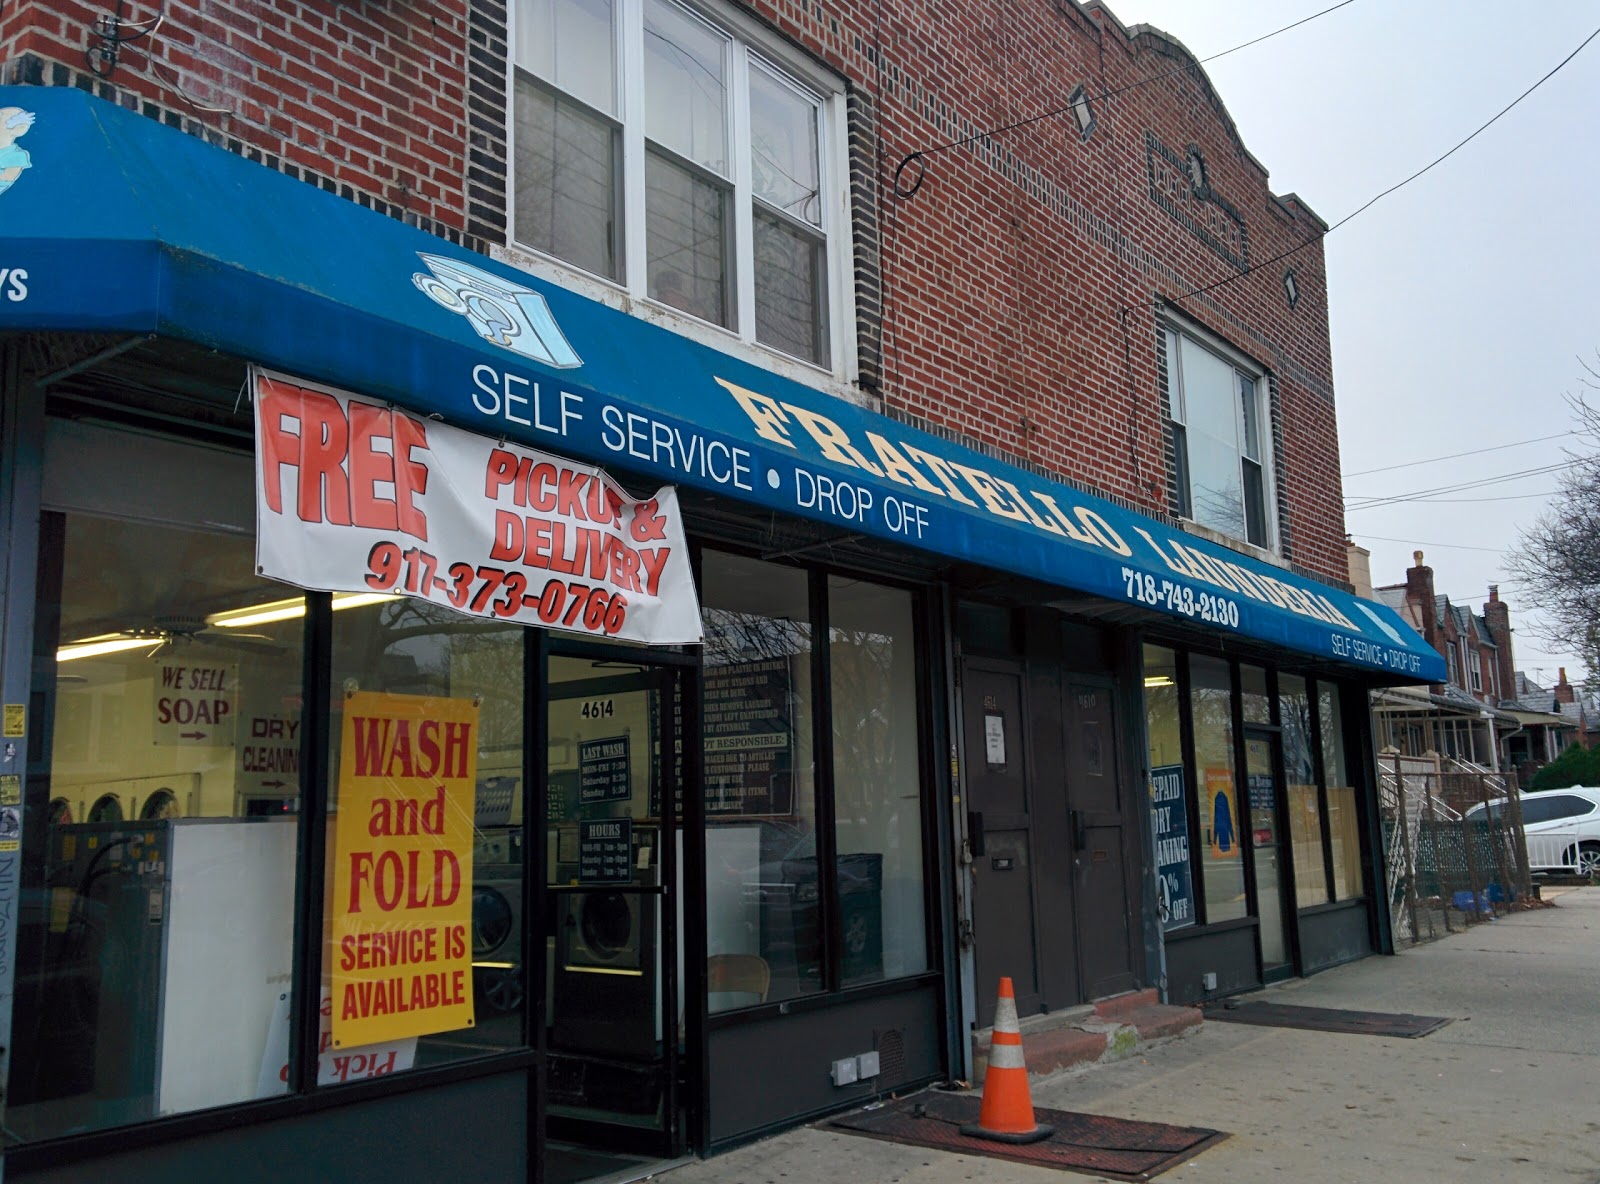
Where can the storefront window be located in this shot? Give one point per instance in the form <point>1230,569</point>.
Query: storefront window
<point>1169,807</point>
<point>877,791</point>
<point>763,904</point>
<point>424,962</point>
<point>1222,869</point>
<point>1305,816</point>
<point>154,950</point>
<point>1343,824</point>
<point>1254,701</point>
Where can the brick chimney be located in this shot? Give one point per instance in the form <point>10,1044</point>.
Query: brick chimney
<point>1419,590</point>
<point>1564,691</point>
<point>1498,617</point>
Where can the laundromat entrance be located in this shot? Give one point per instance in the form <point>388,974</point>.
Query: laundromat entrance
<point>614,1002</point>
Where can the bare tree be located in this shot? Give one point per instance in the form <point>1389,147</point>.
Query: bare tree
<point>1557,559</point>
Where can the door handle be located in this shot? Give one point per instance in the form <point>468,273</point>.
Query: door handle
<point>975,832</point>
<point>1080,831</point>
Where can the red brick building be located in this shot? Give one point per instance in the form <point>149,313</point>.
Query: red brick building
<point>1485,712</point>
<point>969,366</point>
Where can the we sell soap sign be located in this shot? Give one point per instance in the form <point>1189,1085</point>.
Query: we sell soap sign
<point>402,885</point>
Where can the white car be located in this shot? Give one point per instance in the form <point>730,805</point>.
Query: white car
<point>1562,827</point>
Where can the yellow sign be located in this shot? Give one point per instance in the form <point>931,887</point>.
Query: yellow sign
<point>16,720</point>
<point>1219,814</point>
<point>402,881</point>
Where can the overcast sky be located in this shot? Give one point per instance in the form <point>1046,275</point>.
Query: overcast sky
<point>1461,303</point>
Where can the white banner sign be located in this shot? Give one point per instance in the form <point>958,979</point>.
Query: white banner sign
<point>354,496</point>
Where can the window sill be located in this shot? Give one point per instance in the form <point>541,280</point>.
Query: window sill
<point>720,339</point>
<point>1265,555</point>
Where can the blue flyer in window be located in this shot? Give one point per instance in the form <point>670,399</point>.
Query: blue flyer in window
<point>1169,824</point>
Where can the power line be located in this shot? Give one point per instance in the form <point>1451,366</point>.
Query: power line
<point>921,154</point>
<point>1419,543</point>
<point>1366,502</point>
<point>1461,501</point>
<point>1457,455</point>
<point>1398,185</point>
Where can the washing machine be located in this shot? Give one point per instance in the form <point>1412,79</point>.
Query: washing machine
<point>604,994</point>
<point>602,931</point>
<point>497,928</point>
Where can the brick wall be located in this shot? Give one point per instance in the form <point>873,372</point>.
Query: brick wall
<point>1012,301</point>
<point>364,97</point>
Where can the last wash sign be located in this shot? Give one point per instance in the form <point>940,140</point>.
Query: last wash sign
<point>357,496</point>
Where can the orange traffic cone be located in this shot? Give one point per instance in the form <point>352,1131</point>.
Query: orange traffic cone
<point>1006,1115</point>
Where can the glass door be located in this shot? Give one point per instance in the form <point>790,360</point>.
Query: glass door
<point>1267,838</point>
<point>612,913</point>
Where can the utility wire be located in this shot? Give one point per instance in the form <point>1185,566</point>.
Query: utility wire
<point>1462,501</point>
<point>1411,464</point>
<point>1462,486</point>
<point>922,154</point>
<point>1419,543</point>
<point>1398,185</point>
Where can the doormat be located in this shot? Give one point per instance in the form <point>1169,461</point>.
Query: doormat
<point>1117,1148</point>
<point>1325,1019</point>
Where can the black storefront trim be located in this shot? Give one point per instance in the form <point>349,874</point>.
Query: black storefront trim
<point>1193,932</point>
<point>1334,906</point>
<point>305,990</point>
<point>822,1001</point>
<point>76,1148</point>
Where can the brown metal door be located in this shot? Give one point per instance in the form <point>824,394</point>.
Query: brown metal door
<point>1000,833</point>
<point>1099,834</point>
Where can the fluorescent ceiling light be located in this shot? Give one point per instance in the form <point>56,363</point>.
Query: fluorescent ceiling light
<point>238,618</point>
<point>285,610</point>
<point>259,614</point>
<point>93,649</point>
<point>1158,680</point>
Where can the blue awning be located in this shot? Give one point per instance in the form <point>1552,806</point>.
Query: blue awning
<point>118,223</point>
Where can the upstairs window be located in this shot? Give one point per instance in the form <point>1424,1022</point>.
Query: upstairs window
<point>657,149</point>
<point>1219,440</point>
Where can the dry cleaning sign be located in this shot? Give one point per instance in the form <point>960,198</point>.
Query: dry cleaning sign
<point>353,496</point>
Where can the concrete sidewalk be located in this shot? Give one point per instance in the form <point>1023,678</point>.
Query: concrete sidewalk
<point>1509,1092</point>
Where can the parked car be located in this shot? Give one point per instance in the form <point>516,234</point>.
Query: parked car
<point>1562,827</point>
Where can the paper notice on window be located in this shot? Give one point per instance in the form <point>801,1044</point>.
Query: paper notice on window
<point>994,738</point>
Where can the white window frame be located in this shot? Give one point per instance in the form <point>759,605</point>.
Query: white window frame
<point>1178,411</point>
<point>750,43</point>
<point>1475,671</point>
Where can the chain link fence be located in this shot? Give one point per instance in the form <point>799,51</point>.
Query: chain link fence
<point>1454,849</point>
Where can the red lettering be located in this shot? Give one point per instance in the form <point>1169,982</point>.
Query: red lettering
<point>541,495</point>
<point>446,878</point>
<point>372,737</point>
<point>655,562</point>
<point>279,446</point>
<point>324,438</point>
<point>457,750</point>
<point>360,872</point>
<point>388,880</point>
<point>569,494</point>
<point>507,536</point>
<point>501,471</point>
<point>401,752</point>
<point>428,748</point>
<point>410,476</point>
<point>368,467</point>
